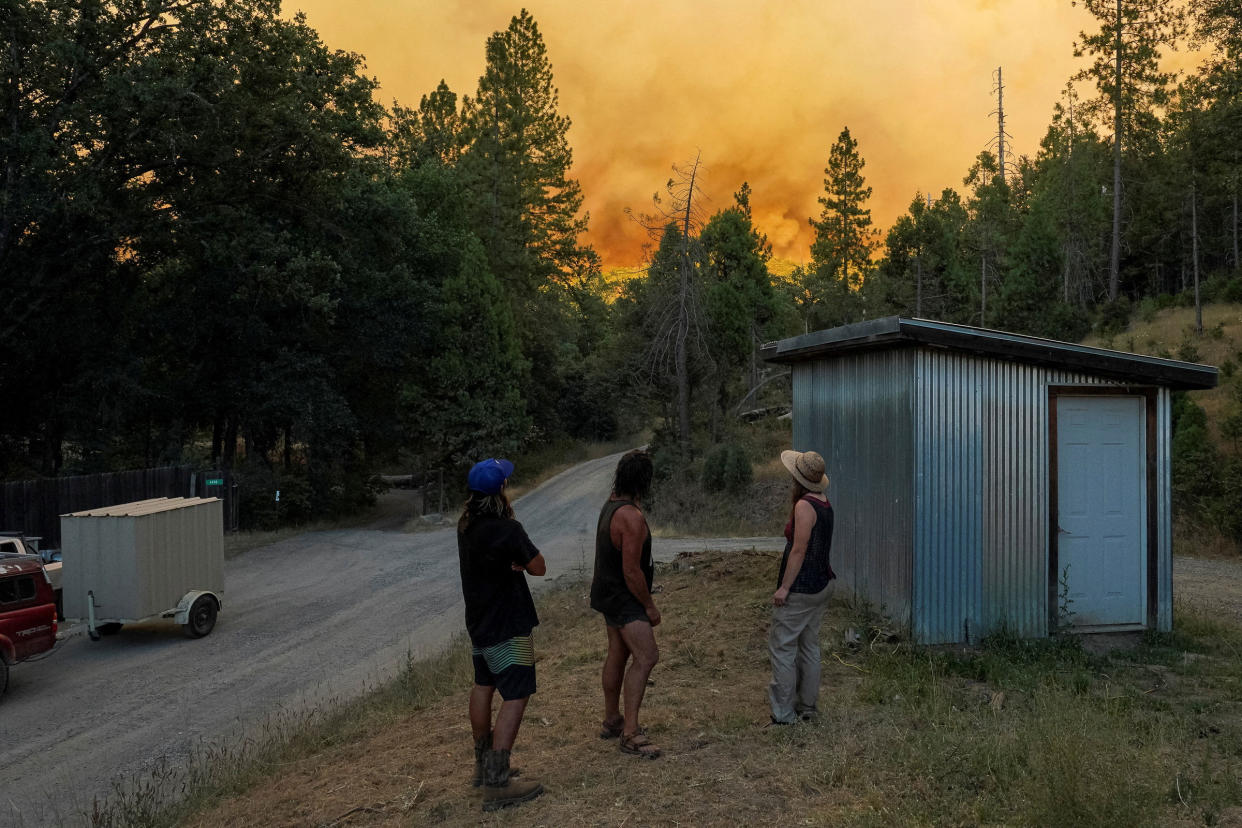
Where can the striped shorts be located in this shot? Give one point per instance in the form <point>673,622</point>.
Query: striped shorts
<point>508,666</point>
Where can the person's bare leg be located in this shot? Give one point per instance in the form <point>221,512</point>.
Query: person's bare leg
<point>639,639</point>
<point>614,675</point>
<point>481,710</point>
<point>508,720</point>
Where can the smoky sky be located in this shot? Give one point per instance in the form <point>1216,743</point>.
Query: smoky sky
<point>760,89</point>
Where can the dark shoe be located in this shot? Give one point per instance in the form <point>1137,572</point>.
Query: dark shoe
<point>775,722</point>
<point>500,789</point>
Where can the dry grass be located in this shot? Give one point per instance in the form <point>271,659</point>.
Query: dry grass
<point>1019,733</point>
<point>1170,333</point>
<point>682,509</point>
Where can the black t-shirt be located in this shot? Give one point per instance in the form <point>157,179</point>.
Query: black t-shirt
<point>498,602</point>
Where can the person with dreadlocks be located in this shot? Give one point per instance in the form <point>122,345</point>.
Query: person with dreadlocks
<point>621,592</point>
<point>496,556</point>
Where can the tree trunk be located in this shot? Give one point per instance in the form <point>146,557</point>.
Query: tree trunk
<point>1114,262</point>
<point>1236,266</point>
<point>217,439</point>
<point>1065,251</point>
<point>1194,254</point>
<point>683,324</point>
<point>983,291</point>
<point>229,455</point>
<point>918,292</point>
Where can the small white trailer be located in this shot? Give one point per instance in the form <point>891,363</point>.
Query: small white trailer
<point>160,558</point>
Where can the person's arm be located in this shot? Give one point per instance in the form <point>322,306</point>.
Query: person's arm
<point>804,521</point>
<point>528,558</point>
<point>629,524</point>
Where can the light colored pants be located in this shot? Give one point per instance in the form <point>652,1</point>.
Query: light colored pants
<point>793,646</point>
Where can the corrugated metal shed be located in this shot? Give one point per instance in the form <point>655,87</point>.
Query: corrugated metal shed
<point>140,558</point>
<point>937,442</point>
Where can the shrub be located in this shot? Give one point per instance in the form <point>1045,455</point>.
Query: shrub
<point>737,472</point>
<point>727,467</point>
<point>715,466</point>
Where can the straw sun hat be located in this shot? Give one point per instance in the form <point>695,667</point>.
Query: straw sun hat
<point>807,467</point>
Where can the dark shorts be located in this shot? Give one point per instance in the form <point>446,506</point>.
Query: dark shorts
<point>508,666</point>
<point>627,615</point>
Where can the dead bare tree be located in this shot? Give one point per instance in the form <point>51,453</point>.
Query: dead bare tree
<point>677,321</point>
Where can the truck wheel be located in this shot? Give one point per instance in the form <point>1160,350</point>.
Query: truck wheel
<point>110,628</point>
<point>4,676</point>
<point>201,618</point>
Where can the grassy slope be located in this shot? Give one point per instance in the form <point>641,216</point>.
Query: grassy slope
<point>1013,734</point>
<point>1170,333</point>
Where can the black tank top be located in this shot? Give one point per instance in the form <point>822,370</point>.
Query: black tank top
<point>609,592</point>
<point>816,571</point>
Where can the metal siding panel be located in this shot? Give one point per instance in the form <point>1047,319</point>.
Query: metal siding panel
<point>948,591</point>
<point>862,426</point>
<point>1164,512</point>
<point>980,523</point>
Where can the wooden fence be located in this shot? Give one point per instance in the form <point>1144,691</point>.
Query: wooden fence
<point>34,507</point>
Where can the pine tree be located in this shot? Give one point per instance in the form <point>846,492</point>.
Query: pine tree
<point>517,166</point>
<point>738,296</point>
<point>1126,70</point>
<point>844,237</point>
<point>433,132</point>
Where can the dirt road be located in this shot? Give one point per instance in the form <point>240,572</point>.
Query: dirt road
<point>318,616</point>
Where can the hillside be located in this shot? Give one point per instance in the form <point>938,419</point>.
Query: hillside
<point>1170,333</point>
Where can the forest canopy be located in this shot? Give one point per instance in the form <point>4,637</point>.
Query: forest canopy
<point>218,247</point>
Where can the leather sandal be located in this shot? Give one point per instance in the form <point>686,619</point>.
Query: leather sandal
<point>611,728</point>
<point>639,745</point>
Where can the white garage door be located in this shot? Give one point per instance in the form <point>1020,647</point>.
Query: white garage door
<point>1101,509</point>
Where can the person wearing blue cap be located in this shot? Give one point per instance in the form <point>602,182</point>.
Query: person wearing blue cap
<point>495,556</point>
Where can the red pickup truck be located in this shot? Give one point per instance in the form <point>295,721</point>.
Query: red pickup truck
<point>27,612</point>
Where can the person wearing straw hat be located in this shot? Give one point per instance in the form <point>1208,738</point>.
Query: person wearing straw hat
<point>801,592</point>
<point>496,556</point>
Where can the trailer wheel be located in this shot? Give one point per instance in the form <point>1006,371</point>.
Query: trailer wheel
<point>201,618</point>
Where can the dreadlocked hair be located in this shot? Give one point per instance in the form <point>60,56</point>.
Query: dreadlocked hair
<point>482,505</point>
<point>634,473</point>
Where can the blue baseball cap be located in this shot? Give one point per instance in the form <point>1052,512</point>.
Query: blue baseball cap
<point>488,476</point>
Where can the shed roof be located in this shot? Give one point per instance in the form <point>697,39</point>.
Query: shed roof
<point>138,508</point>
<point>894,331</point>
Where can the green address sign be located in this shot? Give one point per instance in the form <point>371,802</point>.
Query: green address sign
<point>214,481</point>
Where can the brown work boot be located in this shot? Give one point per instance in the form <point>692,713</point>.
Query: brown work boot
<point>481,747</point>
<point>499,786</point>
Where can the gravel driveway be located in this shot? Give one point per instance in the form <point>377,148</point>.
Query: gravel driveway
<point>1211,584</point>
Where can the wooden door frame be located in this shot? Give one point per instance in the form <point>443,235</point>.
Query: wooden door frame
<point>1151,396</point>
